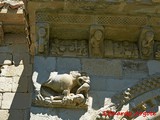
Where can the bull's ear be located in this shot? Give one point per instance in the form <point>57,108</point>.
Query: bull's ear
<point>75,74</point>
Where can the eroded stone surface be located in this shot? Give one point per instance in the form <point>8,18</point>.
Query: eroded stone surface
<point>153,66</point>
<point>68,64</point>
<point>101,67</point>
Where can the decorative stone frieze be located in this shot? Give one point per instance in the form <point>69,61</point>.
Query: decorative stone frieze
<point>69,47</point>
<point>67,39</point>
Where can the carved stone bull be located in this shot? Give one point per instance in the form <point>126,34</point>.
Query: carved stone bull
<point>63,84</point>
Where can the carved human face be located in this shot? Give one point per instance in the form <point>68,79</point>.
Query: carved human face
<point>149,36</point>
<point>41,32</point>
<point>98,35</point>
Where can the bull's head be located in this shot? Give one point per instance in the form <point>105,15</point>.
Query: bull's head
<point>83,79</point>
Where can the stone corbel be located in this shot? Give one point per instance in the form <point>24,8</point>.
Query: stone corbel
<point>42,38</point>
<point>96,46</point>
<point>146,43</point>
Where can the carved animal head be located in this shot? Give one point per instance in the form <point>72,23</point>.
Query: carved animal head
<point>83,79</point>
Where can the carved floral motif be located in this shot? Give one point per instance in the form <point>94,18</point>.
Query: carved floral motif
<point>122,49</point>
<point>69,47</point>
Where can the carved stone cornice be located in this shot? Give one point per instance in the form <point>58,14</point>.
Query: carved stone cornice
<point>13,4</point>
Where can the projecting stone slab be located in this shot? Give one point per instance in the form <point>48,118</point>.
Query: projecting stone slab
<point>55,114</point>
<point>153,66</point>
<point>68,64</point>
<point>100,67</point>
<point>43,66</point>
<point>16,100</point>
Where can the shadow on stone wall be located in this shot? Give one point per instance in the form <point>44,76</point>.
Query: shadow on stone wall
<point>15,78</point>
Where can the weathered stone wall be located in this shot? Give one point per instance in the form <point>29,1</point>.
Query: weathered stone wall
<point>108,76</point>
<point>15,78</point>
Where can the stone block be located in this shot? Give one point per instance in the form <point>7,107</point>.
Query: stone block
<point>20,84</point>
<point>119,85</point>
<point>16,100</point>
<point>43,66</point>
<point>28,70</point>
<point>5,49</point>
<point>23,59</point>
<point>43,117</point>
<point>101,86</point>
<point>65,65</point>
<point>38,113</point>
<point>134,69</point>
<point>15,38</point>
<point>5,84</point>
<point>16,115</point>
<point>153,67</point>
<point>5,58</point>
<point>19,48</point>
<point>4,114</point>
<point>99,98</point>
<point>30,84</point>
<point>0,99</point>
<point>12,70</point>
<point>101,67</point>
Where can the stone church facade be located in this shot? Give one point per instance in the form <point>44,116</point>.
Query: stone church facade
<point>79,60</point>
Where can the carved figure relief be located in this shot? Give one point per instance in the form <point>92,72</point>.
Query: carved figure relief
<point>42,38</point>
<point>146,42</point>
<point>96,41</point>
<point>120,49</point>
<point>157,53</point>
<point>69,47</point>
<point>63,90</point>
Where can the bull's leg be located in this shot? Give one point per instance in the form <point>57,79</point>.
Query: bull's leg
<point>66,92</point>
